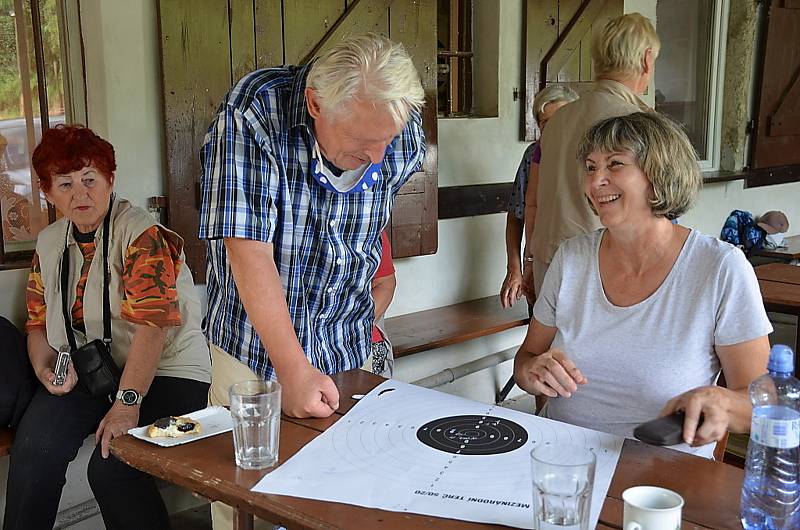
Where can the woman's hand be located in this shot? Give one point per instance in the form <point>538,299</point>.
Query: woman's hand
<point>512,288</point>
<point>116,423</point>
<point>47,377</point>
<point>550,374</point>
<point>714,403</point>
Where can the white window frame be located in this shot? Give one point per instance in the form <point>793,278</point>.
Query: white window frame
<point>710,160</point>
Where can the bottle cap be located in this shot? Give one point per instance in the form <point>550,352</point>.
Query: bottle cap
<point>781,359</point>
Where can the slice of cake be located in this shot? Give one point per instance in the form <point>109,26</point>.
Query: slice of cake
<point>173,427</point>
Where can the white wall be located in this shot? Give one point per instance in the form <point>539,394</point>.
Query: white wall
<point>716,201</point>
<point>123,90</point>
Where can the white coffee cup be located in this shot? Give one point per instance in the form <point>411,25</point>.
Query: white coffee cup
<point>651,508</point>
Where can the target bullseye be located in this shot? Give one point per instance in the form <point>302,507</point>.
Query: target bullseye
<point>473,435</point>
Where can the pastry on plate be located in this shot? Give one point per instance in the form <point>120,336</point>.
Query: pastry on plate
<point>173,427</point>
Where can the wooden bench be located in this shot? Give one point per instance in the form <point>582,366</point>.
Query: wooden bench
<point>6,439</point>
<point>453,324</point>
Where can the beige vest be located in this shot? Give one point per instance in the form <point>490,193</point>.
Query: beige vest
<point>562,211</point>
<point>185,351</point>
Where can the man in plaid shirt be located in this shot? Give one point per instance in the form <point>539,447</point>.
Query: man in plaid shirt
<point>300,170</point>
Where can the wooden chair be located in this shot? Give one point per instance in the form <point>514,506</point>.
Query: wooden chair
<point>719,450</point>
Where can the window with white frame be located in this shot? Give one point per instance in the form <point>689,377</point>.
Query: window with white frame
<point>34,95</point>
<point>689,73</point>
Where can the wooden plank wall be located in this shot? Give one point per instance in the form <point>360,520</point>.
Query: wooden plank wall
<point>415,214</point>
<point>208,45</point>
<point>196,73</point>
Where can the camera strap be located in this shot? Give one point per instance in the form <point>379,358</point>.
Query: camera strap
<point>106,281</point>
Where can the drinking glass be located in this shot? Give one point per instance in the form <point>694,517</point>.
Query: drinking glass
<point>256,413</point>
<point>563,476</point>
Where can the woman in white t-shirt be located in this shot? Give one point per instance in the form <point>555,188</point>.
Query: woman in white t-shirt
<point>637,319</point>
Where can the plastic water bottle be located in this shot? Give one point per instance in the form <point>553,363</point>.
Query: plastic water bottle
<point>771,490</point>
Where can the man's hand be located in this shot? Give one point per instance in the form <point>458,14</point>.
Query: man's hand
<point>307,392</point>
<point>116,423</point>
<point>47,377</point>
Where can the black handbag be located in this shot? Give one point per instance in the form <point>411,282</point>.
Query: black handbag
<point>97,372</point>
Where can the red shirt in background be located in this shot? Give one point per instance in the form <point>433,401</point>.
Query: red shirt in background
<point>385,268</point>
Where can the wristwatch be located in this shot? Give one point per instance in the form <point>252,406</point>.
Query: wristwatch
<point>129,397</point>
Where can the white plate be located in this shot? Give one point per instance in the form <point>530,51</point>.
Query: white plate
<point>213,420</point>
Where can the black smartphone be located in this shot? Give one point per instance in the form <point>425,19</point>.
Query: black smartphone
<point>667,430</point>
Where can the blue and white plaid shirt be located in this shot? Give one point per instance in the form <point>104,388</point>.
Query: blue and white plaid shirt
<point>257,184</point>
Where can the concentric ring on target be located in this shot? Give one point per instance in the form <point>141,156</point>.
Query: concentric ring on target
<point>473,435</point>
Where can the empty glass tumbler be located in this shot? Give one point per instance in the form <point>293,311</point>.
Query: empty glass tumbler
<point>563,476</point>
<point>256,413</point>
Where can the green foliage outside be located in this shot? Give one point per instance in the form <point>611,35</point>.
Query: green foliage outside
<point>10,81</point>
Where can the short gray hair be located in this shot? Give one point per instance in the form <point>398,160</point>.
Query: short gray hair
<point>371,67</point>
<point>662,151</point>
<point>551,94</point>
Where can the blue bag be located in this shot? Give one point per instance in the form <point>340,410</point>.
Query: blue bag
<point>740,229</point>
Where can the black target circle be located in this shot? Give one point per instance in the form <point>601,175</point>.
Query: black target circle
<point>473,435</point>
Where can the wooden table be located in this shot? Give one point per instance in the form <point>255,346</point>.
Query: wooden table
<point>792,250</point>
<point>780,289</point>
<point>711,489</point>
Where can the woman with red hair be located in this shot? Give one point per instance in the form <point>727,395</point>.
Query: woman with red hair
<point>155,338</point>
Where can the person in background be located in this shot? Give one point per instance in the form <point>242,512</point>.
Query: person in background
<point>623,55</point>
<point>639,318</point>
<point>301,167</point>
<point>381,360</point>
<point>521,211</point>
<point>156,337</point>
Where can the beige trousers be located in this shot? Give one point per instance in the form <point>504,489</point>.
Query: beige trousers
<point>225,371</point>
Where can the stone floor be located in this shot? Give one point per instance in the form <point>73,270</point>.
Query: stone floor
<point>194,519</point>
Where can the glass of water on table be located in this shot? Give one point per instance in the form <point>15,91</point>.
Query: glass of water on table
<point>256,413</point>
<point>563,476</point>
